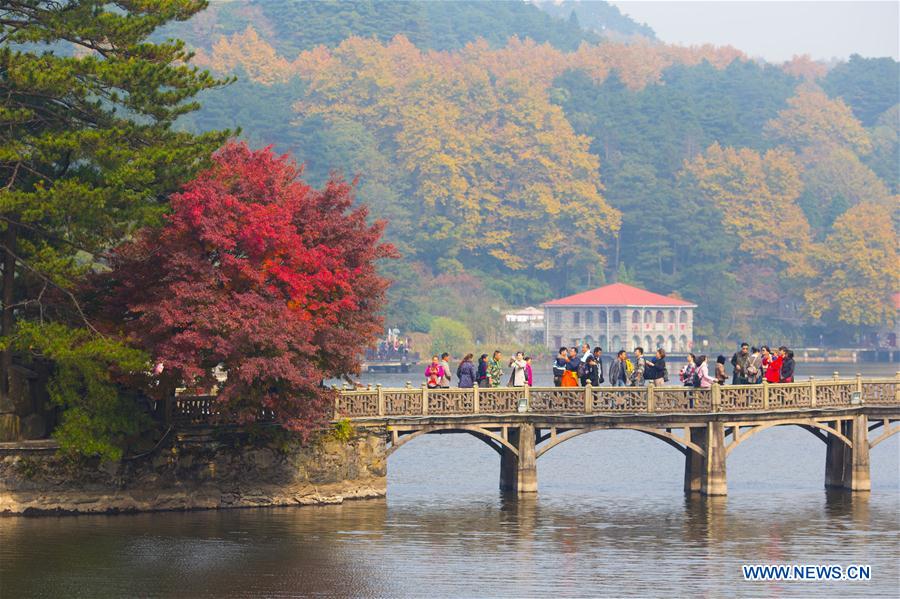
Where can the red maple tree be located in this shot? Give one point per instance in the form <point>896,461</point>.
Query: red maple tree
<point>258,273</point>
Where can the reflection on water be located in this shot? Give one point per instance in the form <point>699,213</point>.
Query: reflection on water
<point>610,520</point>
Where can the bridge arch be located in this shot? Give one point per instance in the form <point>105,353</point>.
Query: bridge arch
<point>812,426</point>
<point>890,427</point>
<point>494,440</point>
<point>682,444</point>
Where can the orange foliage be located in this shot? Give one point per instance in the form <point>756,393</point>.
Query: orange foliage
<point>637,64</point>
<point>804,67</point>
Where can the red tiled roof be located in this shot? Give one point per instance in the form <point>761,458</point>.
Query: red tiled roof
<point>618,294</point>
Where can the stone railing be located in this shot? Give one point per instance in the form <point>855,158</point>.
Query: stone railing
<point>201,410</point>
<point>379,401</point>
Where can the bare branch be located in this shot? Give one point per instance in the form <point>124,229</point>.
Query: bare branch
<point>49,281</point>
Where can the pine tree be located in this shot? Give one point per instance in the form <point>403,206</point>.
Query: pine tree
<point>89,149</point>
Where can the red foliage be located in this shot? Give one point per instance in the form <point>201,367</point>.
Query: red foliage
<point>258,272</point>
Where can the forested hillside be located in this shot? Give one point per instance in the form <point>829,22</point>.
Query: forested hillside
<point>518,156</point>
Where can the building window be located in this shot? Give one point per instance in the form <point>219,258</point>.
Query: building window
<point>636,317</point>
<point>576,318</point>
<point>602,316</point>
<point>670,344</point>
<point>660,317</point>
<point>616,344</point>
<point>603,344</point>
<point>557,341</point>
<point>557,318</point>
<point>617,318</point>
<point>684,316</point>
<point>672,317</point>
<point>635,342</point>
<point>648,316</point>
<point>589,318</point>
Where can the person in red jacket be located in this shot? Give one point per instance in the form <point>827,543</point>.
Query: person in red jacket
<point>773,370</point>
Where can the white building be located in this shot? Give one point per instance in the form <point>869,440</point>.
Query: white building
<point>620,316</point>
<point>527,323</point>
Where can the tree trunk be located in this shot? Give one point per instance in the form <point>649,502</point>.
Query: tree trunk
<point>9,288</point>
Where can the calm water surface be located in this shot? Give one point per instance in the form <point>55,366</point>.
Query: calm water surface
<point>610,520</point>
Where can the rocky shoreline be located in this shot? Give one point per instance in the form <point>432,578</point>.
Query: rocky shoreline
<point>193,474</point>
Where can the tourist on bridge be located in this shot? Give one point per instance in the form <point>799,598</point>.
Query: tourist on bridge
<point>517,376</point>
<point>583,370</point>
<point>482,377</point>
<point>773,370</point>
<point>434,372</point>
<point>595,373</point>
<point>701,374</point>
<point>637,375</point>
<point>765,358</point>
<point>585,352</point>
<point>618,371</point>
<point>445,363</point>
<point>570,376</point>
<point>721,375</point>
<point>495,371</point>
<point>754,368</point>
<point>559,366</point>
<point>686,376</point>
<point>655,369</point>
<point>741,362</point>
<point>466,373</point>
<point>529,372</point>
<point>786,375</point>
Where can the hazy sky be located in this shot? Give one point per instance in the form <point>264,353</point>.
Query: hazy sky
<point>776,30</point>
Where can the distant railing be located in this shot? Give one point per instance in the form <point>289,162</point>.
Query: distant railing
<point>202,410</point>
<point>379,401</point>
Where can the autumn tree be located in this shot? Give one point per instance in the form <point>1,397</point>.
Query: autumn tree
<point>858,269</point>
<point>741,220</point>
<point>812,118</point>
<point>258,274</point>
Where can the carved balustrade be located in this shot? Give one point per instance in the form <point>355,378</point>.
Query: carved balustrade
<point>834,393</point>
<point>682,399</point>
<point>566,400</point>
<point>409,401</point>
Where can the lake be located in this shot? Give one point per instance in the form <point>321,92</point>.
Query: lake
<point>610,519</point>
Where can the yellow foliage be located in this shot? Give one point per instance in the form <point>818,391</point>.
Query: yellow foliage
<point>859,269</point>
<point>813,119</point>
<point>756,197</point>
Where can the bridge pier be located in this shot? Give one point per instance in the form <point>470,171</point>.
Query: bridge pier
<point>835,449</point>
<point>848,467</point>
<point>713,481</point>
<point>856,458</point>
<point>518,474</point>
<point>694,463</point>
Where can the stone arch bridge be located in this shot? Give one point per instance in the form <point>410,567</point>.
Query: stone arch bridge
<point>850,417</point>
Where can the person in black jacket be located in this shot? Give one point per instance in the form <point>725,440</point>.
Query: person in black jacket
<point>787,365</point>
<point>595,370</point>
<point>481,377</point>
<point>559,366</point>
<point>655,369</point>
